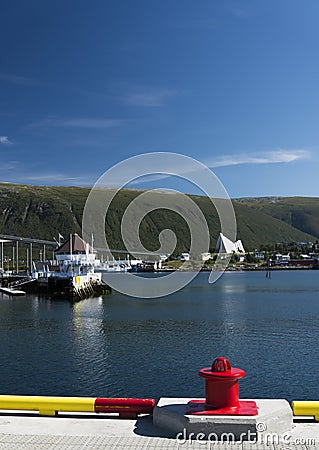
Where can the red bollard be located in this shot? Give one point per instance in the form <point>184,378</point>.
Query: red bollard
<point>222,384</point>
<point>222,394</point>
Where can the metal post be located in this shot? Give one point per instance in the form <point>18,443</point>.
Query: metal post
<point>13,257</point>
<point>2,254</point>
<point>44,252</point>
<point>17,257</point>
<point>27,260</point>
<point>31,259</point>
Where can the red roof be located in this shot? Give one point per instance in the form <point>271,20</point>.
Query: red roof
<point>78,246</point>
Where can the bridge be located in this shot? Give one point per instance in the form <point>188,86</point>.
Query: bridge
<point>28,244</point>
<point>9,238</point>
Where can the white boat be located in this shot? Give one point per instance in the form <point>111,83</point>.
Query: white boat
<point>11,291</point>
<point>112,266</point>
<point>75,274</point>
<point>76,260</point>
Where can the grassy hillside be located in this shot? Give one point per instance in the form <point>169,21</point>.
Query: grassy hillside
<point>43,212</point>
<point>301,213</point>
<point>40,212</point>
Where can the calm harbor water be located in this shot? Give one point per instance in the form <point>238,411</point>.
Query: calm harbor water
<point>122,346</point>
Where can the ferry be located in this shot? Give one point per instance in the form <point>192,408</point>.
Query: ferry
<point>74,274</point>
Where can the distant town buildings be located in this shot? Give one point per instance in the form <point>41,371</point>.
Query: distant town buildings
<point>184,257</point>
<point>205,256</point>
<point>224,246</point>
<point>282,258</point>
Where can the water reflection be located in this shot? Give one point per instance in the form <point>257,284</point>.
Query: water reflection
<point>122,346</point>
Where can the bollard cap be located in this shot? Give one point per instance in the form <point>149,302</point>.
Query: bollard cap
<point>221,364</point>
<point>221,369</point>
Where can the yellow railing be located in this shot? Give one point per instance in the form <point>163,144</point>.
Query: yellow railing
<point>47,406</point>
<point>306,408</point>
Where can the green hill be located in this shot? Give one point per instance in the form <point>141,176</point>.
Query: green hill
<point>45,211</point>
<point>301,213</point>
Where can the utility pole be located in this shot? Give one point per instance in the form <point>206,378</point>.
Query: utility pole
<point>13,257</point>
<point>17,257</point>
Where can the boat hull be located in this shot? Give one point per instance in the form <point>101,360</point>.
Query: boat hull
<point>12,292</point>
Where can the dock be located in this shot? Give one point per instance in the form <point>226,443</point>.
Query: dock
<point>90,431</point>
<point>10,291</point>
<point>62,423</point>
<point>72,274</point>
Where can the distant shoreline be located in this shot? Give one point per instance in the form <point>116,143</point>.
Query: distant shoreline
<point>242,269</point>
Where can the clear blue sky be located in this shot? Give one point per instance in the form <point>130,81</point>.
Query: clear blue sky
<point>234,84</point>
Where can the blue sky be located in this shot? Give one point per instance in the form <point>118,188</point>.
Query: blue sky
<point>234,84</point>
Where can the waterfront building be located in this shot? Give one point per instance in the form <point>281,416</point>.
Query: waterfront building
<point>184,257</point>
<point>225,245</point>
<point>205,256</point>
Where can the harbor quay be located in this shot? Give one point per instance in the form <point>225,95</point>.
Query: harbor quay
<point>221,420</point>
<point>29,431</point>
<point>75,271</point>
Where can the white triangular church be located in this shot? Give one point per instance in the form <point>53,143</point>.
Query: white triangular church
<point>225,245</point>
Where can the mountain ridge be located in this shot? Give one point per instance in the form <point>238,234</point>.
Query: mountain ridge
<point>45,211</point>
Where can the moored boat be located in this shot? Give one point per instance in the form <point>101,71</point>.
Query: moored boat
<point>11,291</point>
<point>75,276</point>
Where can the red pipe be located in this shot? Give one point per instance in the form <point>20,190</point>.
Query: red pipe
<point>127,408</point>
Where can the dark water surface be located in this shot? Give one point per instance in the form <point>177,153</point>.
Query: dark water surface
<point>122,346</point>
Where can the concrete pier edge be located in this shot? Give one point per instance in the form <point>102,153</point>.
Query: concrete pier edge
<point>274,417</point>
<point>29,431</point>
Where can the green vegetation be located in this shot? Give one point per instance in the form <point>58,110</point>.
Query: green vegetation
<point>45,211</point>
<point>301,213</point>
